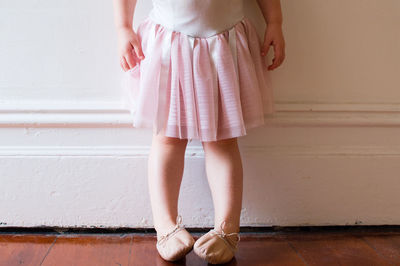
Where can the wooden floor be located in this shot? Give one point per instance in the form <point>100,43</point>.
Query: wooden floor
<point>298,248</point>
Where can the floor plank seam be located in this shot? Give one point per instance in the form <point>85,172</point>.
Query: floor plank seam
<point>373,247</point>
<point>297,252</point>
<point>48,251</point>
<point>130,250</point>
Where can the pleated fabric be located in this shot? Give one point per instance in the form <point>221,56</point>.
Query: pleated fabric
<point>208,89</point>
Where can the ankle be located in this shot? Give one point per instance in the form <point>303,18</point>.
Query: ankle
<point>227,227</point>
<point>165,226</point>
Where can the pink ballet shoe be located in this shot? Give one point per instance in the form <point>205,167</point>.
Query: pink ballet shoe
<point>217,247</point>
<point>175,244</point>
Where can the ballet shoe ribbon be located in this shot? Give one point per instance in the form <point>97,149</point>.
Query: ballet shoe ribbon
<point>176,229</point>
<point>223,236</point>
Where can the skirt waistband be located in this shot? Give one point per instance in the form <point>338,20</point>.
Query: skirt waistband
<point>203,18</point>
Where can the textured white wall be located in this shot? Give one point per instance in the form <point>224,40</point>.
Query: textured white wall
<point>58,51</point>
<point>69,157</point>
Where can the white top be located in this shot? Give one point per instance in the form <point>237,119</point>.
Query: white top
<point>197,18</point>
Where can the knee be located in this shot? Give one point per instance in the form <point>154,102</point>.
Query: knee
<point>231,142</point>
<point>164,140</point>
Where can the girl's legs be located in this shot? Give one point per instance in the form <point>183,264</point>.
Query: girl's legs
<point>165,170</point>
<point>225,177</point>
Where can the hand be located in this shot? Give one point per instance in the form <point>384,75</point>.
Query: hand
<point>274,36</point>
<point>129,48</point>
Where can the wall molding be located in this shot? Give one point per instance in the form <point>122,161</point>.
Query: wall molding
<point>338,107</point>
<point>113,114</point>
<point>197,151</point>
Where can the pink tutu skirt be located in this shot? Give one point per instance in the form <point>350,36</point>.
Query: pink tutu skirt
<point>204,88</point>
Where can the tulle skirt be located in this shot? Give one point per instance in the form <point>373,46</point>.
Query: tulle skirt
<point>191,87</point>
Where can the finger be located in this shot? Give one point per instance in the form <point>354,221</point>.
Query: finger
<point>129,58</point>
<point>276,62</point>
<point>272,66</point>
<point>138,51</point>
<point>124,64</point>
<point>281,60</point>
<point>281,55</point>
<point>278,51</point>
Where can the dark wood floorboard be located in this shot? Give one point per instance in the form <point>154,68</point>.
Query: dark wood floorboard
<point>24,249</point>
<point>311,248</point>
<point>89,250</point>
<point>336,249</point>
<point>387,246</point>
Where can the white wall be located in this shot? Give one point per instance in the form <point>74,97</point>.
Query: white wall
<point>69,157</point>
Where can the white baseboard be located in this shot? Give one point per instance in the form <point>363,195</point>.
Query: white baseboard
<point>103,114</point>
<point>198,152</point>
<point>82,187</point>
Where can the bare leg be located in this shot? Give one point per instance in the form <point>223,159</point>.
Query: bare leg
<point>225,177</point>
<point>165,170</point>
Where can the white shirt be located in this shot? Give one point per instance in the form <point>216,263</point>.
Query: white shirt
<point>197,18</point>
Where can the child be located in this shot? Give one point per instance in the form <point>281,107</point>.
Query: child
<point>195,69</point>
